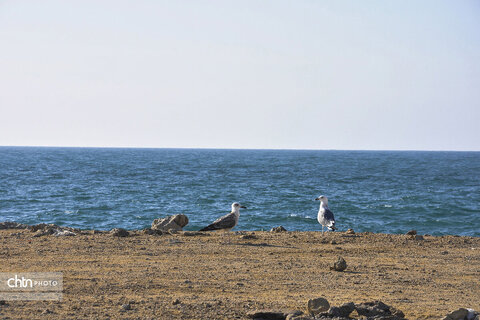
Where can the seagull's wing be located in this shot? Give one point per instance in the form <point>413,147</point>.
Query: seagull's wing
<point>328,215</point>
<point>329,219</point>
<point>226,222</point>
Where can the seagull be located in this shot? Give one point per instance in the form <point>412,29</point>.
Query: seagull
<point>226,222</point>
<point>325,216</point>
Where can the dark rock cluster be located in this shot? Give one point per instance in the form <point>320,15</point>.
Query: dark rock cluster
<point>375,310</point>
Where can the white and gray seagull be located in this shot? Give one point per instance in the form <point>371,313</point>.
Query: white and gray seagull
<point>226,222</point>
<point>325,216</point>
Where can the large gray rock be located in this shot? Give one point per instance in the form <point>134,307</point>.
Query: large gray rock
<point>176,222</point>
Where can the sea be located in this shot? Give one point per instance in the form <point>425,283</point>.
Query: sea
<point>435,193</point>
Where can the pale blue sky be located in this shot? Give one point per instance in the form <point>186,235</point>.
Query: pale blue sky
<point>241,74</point>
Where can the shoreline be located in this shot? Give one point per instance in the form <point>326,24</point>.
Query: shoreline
<point>228,275</point>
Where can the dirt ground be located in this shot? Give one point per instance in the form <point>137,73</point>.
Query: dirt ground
<point>224,276</point>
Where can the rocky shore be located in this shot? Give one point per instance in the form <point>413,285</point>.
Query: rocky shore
<point>167,273</point>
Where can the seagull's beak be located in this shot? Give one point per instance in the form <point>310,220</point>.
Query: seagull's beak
<point>317,198</point>
<point>243,207</point>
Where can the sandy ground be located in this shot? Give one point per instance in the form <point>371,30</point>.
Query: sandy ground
<point>223,276</point>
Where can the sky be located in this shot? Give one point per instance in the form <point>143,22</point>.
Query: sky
<point>361,75</point>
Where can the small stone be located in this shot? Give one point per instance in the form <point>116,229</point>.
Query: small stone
<point>249,236</point>
<point>266,315</point>
<point>350,231</point>
<point>149,231</point>
<point>333,242</point>
<point>119,232</point>
<point>175,302</point>
<point>418,237</point>
<point>340,265</point>
<point>126,307</point>
<point>278,229</point>
<point>63,233</point>
<point>459,314</point>
<point>46,311</point>
<point>318,305</point>
<point>411,232</point>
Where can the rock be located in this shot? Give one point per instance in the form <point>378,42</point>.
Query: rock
<point>266,315</point>
<point>378,310</point>
<point>278,229</point>
<point>411,232</point>
<point>343,311</point>
<point>149,231</point>
<point>12,225</point>
<point>44,229</point>
<point>249,236</point>
<point>296,315</point>
<point>318,305</point>
<point>126,307</point>
<point>350,231</point>
<point>61,233</point>
<point>175,302</point>
<point>119,232</point>
<point>340,265</point>
<point>472,315</point>
<point>459,314</point>
<point>176,222</point>
<point>46,311</point>
<point>418,237</point>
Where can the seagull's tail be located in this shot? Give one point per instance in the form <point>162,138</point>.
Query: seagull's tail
<point>208,228</point>
<point>331,227</point>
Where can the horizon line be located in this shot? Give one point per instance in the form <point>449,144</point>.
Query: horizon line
<point>224,148</point>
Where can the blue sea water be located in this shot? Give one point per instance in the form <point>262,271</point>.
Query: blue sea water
<point>378,191</point>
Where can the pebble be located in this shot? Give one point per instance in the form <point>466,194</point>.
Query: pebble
<point>411,232</point>
<point>350,231</point>
<point>278,229</point>
<point>126,307</point>
<point>119,232</point>
<point>339,265</point>
<point>175,302</point>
